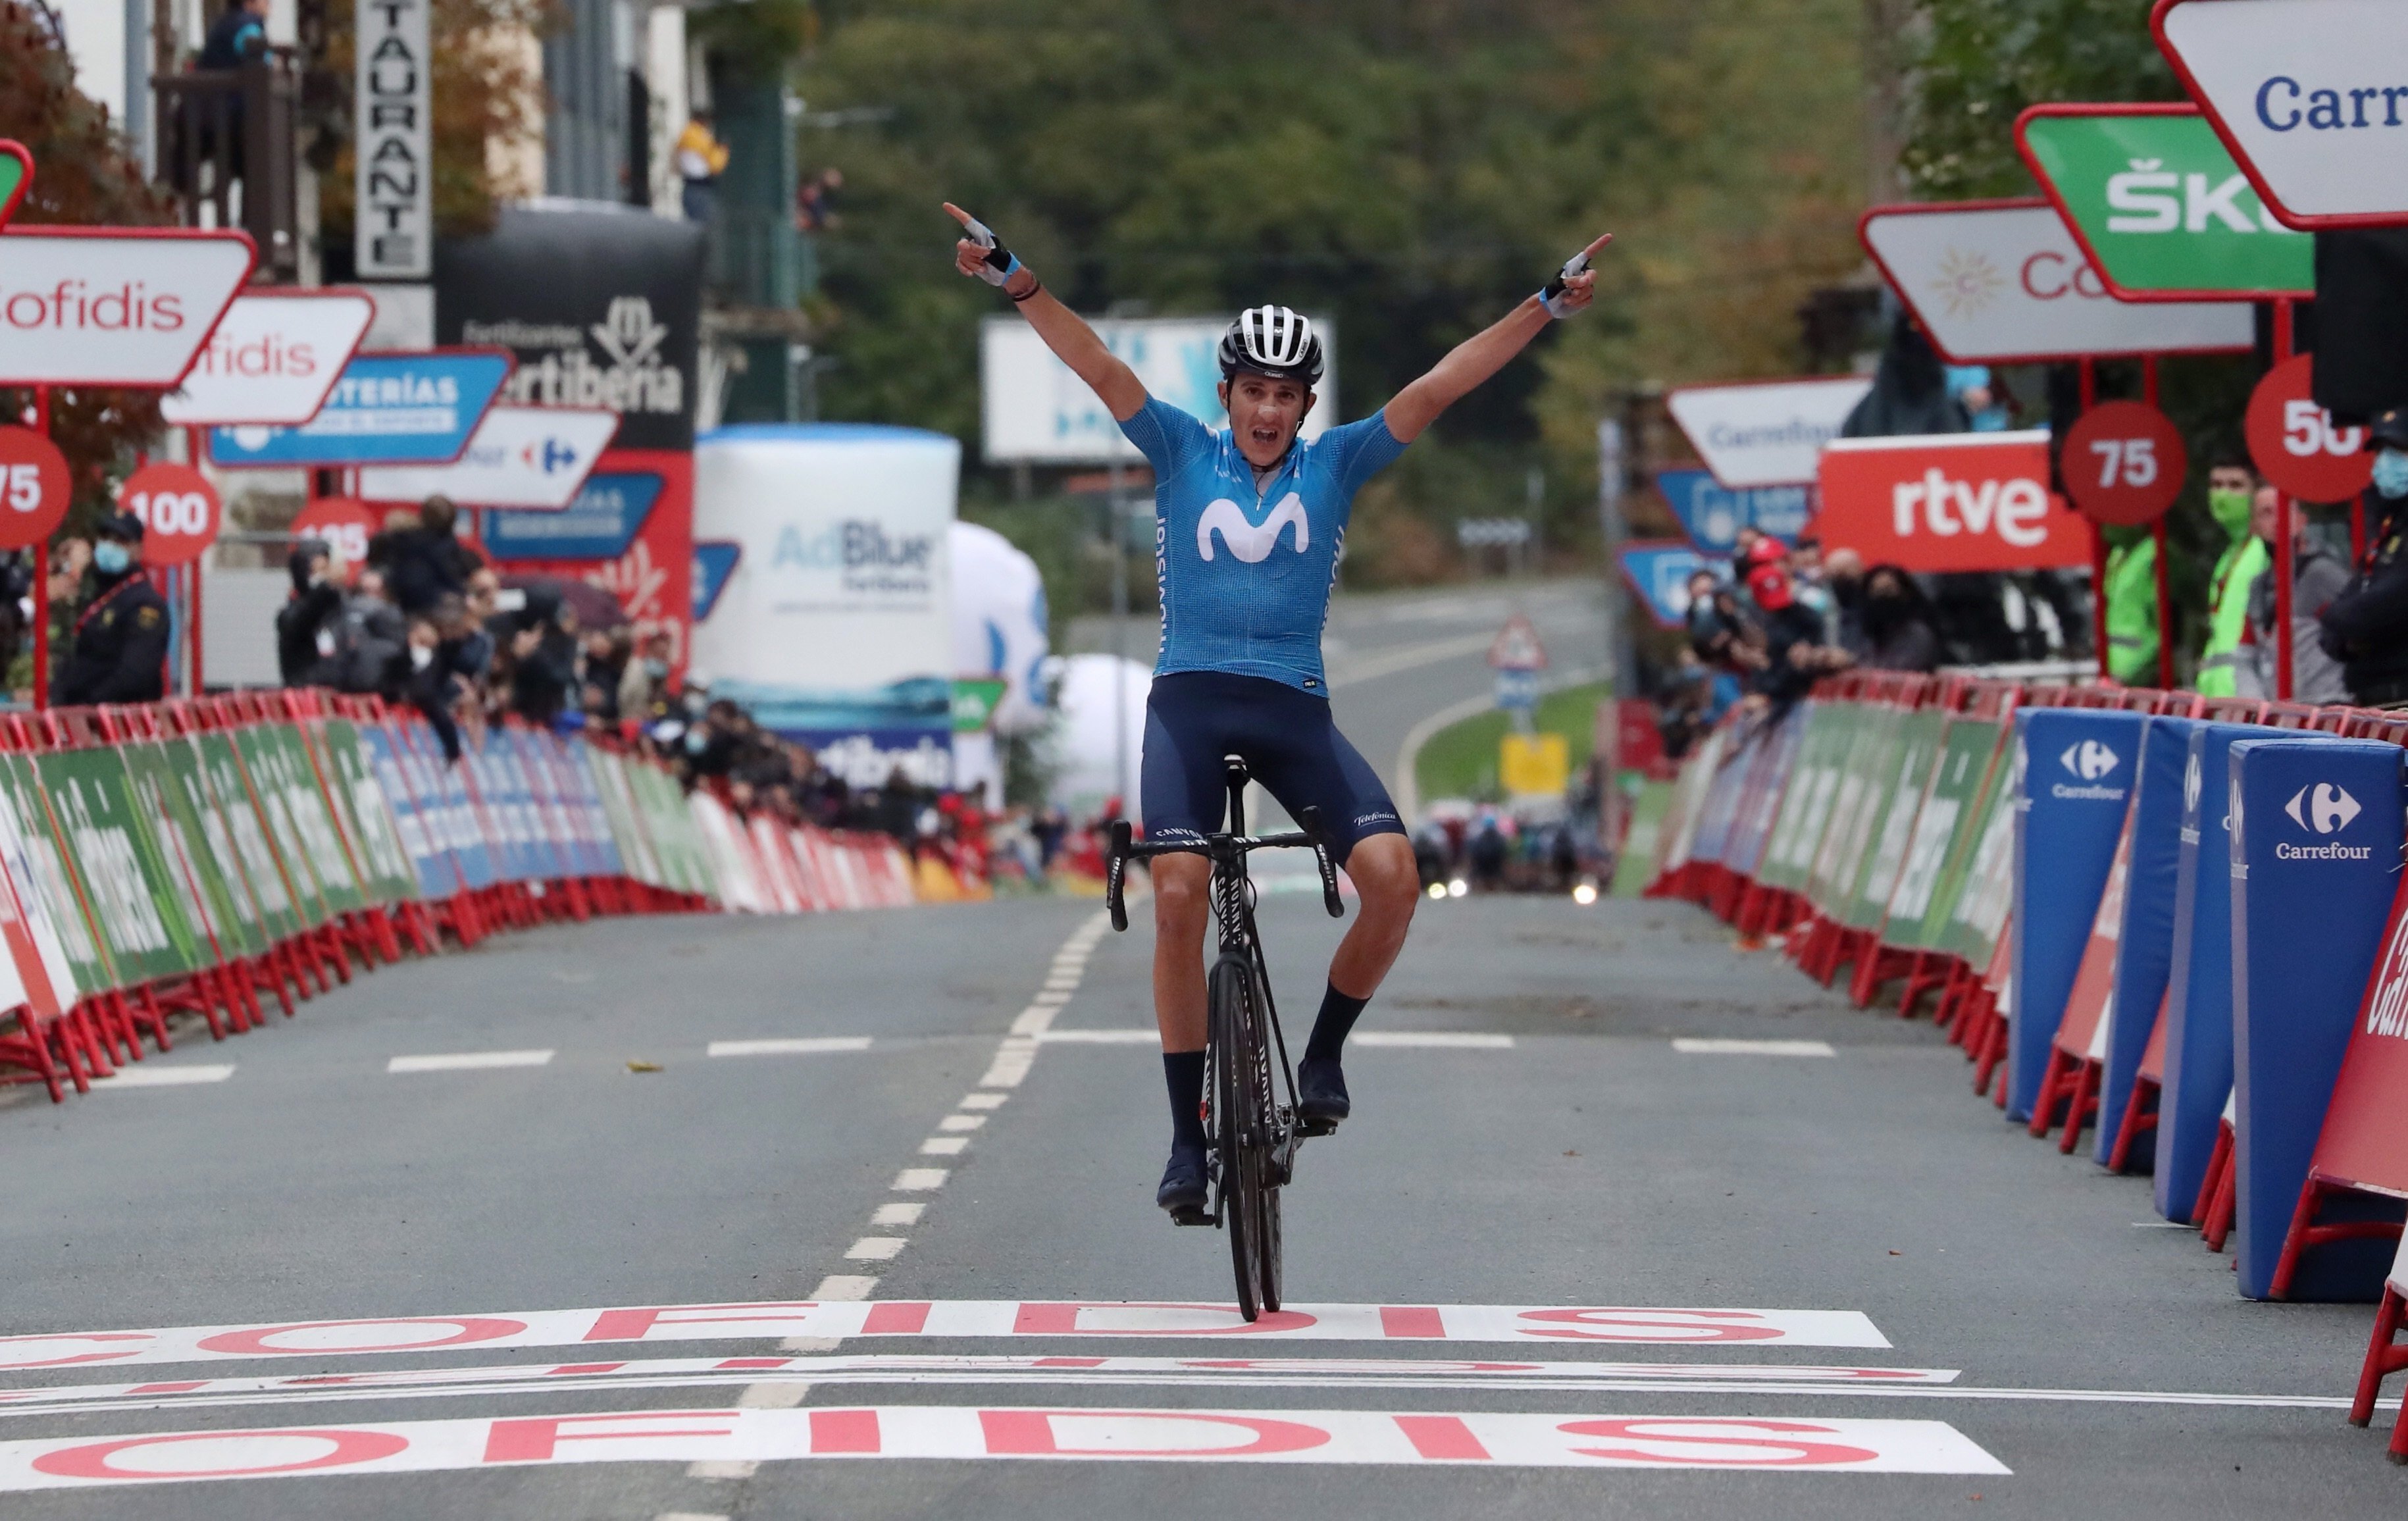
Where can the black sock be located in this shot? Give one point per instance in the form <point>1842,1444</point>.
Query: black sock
<point>1338,1014</point>
<point>1182,1073</point>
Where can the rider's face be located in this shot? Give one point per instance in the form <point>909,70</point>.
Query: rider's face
<point>1264,415</point>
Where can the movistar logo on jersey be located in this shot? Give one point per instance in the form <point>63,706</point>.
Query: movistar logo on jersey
<point>1251,542</point>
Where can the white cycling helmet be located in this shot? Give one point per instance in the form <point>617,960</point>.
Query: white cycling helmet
<point>1277,341</point>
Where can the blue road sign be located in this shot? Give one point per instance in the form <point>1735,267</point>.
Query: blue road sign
<point>387,409</point>
<point>1713,515</point>
<point>1517,689</point>
<point>610,510</point>
<point>1660,574</point>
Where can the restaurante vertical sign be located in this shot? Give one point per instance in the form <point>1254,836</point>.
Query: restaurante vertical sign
<point>393,232</point>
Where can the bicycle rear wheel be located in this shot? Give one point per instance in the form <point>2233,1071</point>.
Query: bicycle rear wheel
<point>1244,1122</point>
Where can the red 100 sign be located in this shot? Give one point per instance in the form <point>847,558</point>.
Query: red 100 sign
<point>178,508</point>
<point>2124,463</point>
<point>34,488</point>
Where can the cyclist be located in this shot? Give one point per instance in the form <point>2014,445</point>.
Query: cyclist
<point>1247,530</point>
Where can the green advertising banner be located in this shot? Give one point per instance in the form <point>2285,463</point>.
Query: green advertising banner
<point>267,856</point>
<point>1899,804</point>
<point>361,809</point>
<point>142,916</point>
<point>1636,861</point>
<point>16,173</point>
<point>1944,835</point>
<point>1988,892</point>
<point>176,830</point>
<point>29,822</point>
<point>261,906</point>
<point>2155,199</point>
<point>1806,805</point>
<point>635,852</point>
<point>1839,859</point>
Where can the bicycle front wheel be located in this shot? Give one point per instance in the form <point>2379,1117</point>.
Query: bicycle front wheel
<point>1245,1120</point>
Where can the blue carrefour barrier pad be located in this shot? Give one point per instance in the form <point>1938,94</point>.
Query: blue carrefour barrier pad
<point>2199,987</point>
<point>2078,765</point>
<point>2315,859</point>
<point>2146,946</point>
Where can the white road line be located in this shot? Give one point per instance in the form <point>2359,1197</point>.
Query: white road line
<point>915,1180</point>
<point>799,1046</point>
<point>874,1249</point>
<point>961,1122</point>
<point>689,1516</point>
<point>943,1146</point>
<point>1693,1046</point>
<point>162,1077</point>
<point>781,1395</point>
<point>723,1467</point>
<point>897,1214</point>
<point>843,1288</point>
<point>1435,1040</point>
<point>1100,1038</point>
<point>983,1100</point>
<point>468,1061</point>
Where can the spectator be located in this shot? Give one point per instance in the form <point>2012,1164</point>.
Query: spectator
<point>369,635</point>
<point>1808,579</point>
<point>643,681</point>
<point>2366,627</point>
<point>1898,630</point>
<point>2131,604</point>
<point>1793,652</point>
<point>701,158</point>
<point>2317,577</point>
<point>1843,570</point>
<point>304,625</point>
<point>240,32</point>
<point>1719,631</point>
<point>120,637</point>
<point>422,678</point>
<point>2231,487</point>
<point>1487,852</point>
<point>814,200</point>
<point>1985,401</point>
<point>424,562</point>
<point>608,654</point>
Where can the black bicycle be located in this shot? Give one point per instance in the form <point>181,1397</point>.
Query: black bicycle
<point>1252,1135</point>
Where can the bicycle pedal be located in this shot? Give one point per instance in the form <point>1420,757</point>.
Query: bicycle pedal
<point>1191,1214</point>
<point>1310,1127</point>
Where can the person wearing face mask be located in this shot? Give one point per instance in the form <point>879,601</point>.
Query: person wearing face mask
<point>2232,486</point>
<point>120,637</point>
<point>2131,604</point>
<point>2318,576</point>
<point>2366,626</point>
<point>1898,630</point>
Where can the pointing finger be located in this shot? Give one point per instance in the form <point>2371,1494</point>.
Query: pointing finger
<point>959,215</point>
<point>1589,251</point>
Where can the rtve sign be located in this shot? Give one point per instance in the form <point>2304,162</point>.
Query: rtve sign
<point>1957,501</point>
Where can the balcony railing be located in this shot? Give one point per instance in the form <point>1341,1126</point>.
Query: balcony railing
<point>226,149</point>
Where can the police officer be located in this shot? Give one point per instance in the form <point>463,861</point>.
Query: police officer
<point>2366,626</point>
<point>120,637</point>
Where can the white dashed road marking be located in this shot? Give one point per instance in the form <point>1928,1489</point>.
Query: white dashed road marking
<point>162,1077</point>
<point>468,1061</point>
<point>1703,1046</point>
<point>799,1046</point>
<point>1434,1040</point>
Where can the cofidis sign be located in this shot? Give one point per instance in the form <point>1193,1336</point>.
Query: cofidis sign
<point>2308,94</point>
<point>1958,501</point>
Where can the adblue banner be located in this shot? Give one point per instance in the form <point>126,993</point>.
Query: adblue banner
<point>1765,433</point>
<point>835,624</point>
<point>1955,501</point>
<point>2299,92</point>
<point>2003,282</point>
<point>2157,204</point>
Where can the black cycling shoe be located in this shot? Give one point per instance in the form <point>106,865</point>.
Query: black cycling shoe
<point>1321,1099</point>
<point>1185,1189</point>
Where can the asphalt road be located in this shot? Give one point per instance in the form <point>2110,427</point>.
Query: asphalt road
<point>1751,1221</point>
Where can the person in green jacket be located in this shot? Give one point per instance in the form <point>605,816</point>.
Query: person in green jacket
<point>2230,485</point>
<point>2131,605</point>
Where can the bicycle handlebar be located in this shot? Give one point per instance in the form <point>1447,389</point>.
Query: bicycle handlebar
<point>1124,849</point>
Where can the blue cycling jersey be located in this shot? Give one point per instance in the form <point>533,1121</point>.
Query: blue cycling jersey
<point>1245,575</point>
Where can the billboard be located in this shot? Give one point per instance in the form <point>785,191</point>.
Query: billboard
<point>534,457</point>
<point>601,304</point>
<point>1765,433</point>
<point>630,531</point>
<point>1032,409</point>
<point>1949,501</point>
<point>113,305</point>
<point>2003,282</point>
<point>272,357</point>
<point>389,409</point>
<point>834,625</point>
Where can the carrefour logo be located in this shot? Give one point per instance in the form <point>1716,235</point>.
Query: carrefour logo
<point>2377,105</point>
<point>2192,787</point>
<point>2324,808</point>
<point>2088,760</point>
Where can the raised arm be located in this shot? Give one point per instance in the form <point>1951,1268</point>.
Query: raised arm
<point>1485,353</point>
<point>1064,331</point>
